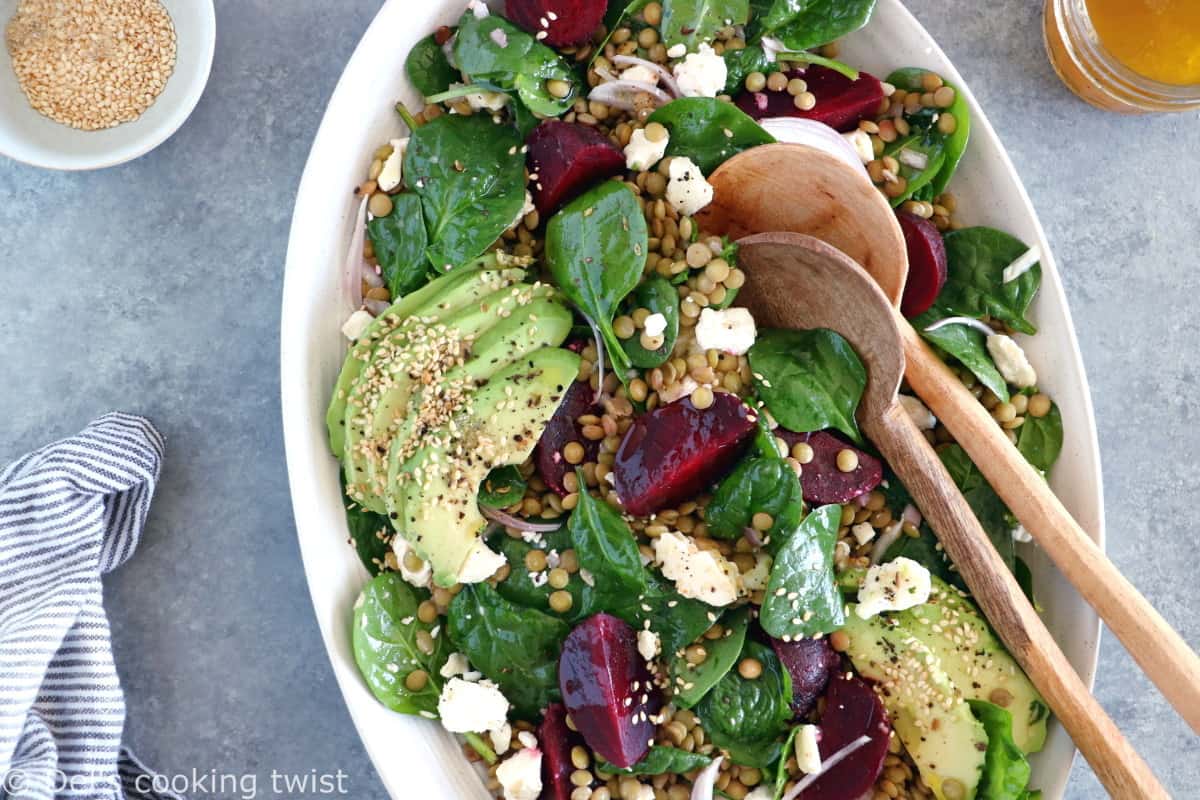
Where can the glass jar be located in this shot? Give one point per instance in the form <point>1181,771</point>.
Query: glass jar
<point>1093,73</point>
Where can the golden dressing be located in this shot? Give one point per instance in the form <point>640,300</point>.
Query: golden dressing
<point>1159,39</point>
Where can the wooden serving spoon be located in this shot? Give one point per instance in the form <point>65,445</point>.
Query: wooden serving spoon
<point>802,282</point>
<point>788,187</point>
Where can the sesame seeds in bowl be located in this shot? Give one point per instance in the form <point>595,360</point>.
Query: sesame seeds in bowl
<point>130,74</point>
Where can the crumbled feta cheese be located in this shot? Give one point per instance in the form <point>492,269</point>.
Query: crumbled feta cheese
<point>641,74</point>
<point>1011,360</point>
<point>860,140</point>
<point>702,74</point>
<point>478,8</point>
<point>404,553</point>
<point>699,574</point>
<point>655,325</point>
<point>527,740</point>
<point>863,533</point>
<point>756,580</point>
<point>677,50</point>
<point>894,586</point>
<point>1021,535</point>
<point>356,324</point>
<point>393,169</point>
<point>501,738</point>
<point>521,775</point>
<point>678,390</point>
<point>467,707</point>
<point>808,754</point>
<point>687,189</point>
<point>921,416</point>
<point>487,101</point>
<point>641,154</point>
<point>649,645</point>
<point>456,664</point>
<point>481,564</point>
<point>730,330</point>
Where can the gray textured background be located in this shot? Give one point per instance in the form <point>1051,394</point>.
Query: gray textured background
<point>154,287</point>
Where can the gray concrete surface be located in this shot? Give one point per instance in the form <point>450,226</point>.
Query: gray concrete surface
<point>154,287</point>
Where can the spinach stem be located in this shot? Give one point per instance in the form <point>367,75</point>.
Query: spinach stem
<point>480,747</point>
<point>457,92</point>
<point>407,116</point>
<point>812,58</point>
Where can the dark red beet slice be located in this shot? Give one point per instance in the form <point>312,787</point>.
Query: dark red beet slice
<point>926,263</point>
<point>821,480</point>
<point>556,741</point>
<point>568,159</point>
<point>565,22</point>
<point>564,428</point>
<point>841,102</point>
<point>673,452</point>
<point>608,690</point>
<point>852,709</point>
<point>811,663</point>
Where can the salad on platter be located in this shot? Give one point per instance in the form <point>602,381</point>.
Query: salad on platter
<point>627,543</point>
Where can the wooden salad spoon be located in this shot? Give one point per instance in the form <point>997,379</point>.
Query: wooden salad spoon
<point>802,282</point>
<point>790,187</point>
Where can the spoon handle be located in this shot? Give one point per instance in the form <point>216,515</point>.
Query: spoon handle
<point>1160,651</point>
<point>1119,767</point>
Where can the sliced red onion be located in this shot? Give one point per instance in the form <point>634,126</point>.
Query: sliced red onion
<point>604,74</point>
<point>371,276</point>
<point>706,780</point>
<point>796,130</point>
<point>827,765</point>
<point>352,269</point>
<point>752,536</point>
<point>516,523</point>
<point>599,357</point>
<point>1023,264</point>
<point>499,37</point>
<point>376,307</point>
<point>620,93</point>
<point>970,322</point>
<point>911,514</point>
<point>885,540</point>
<point>664,74</point>
<point>862,500</point>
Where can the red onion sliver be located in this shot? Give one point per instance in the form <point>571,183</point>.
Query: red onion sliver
<point>796,130</point>
<point>664,74</point>
<point>885,540</point>
<point>516,523</point>
<point>827,765</point>
<point>969,322</point>
<point>620,93</point>
<point>352,269</point>
<point>376,307</point>
<point>706,779</point>
<point>372,277</point>
<point>599,357</point>
<point>752,536</point>
<point>911,514</point>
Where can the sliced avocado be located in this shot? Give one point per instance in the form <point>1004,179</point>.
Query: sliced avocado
<point>928,711</point>
<point>953,628</point>
<point>445,294</point>
<point>433,493</point>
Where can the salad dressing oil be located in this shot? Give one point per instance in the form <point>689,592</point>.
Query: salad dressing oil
<point>1159,39</point>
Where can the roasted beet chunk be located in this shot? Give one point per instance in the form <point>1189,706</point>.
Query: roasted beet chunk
<point>608,690</point>
<point>841,102</point>
<point>926,263</point>
<point>821,479</point>
<point>567,159</point>
<point>556,741</point>
<point>851,710</point>
<point>672,453</point>
<point>564,22</point>
<point>811,663</point>
<point>562,429</point>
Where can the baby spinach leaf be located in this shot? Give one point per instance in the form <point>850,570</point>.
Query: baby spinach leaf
<point>924,550</point>
<point>765,485</point>
<point>810,380</point>
<point>607,549</point>
<point>740,63</point>
<point>693,22</point>
<point>909,79</point>
<point>1005,770</point>
<point>803,24</point>
<point>987,505</point>
<point>747,717</point>
<point>1024,576</point>
<point>370,533</point>
<point>976,258</point>
<point>802,597</point>
<point>522,64</point>
<point>660,761</point>
<point>660,297</point>
<point>693,682</point>
<point>708,131</point>
<point>677,620</point>
<point>1040,439</point>
<point>516,647</point>
<point>967,345</point>
<point>596,249</point>
<point>519,586</point>
<point>400,240</point>
<point>470,175</point>
<point>428,68</point>
<point>385,645</point>
<point>927,144</point>
<point>502,487</point>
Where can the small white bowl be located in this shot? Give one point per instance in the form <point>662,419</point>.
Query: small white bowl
<point>27,136</point>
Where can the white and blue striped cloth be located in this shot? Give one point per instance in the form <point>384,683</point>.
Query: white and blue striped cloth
<point>69,513</point>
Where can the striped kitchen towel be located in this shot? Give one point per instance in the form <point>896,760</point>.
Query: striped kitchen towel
<point>69,513</point>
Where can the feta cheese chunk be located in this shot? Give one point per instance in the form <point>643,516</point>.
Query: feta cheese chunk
<point>478,8</point>
<point>677,51</point>
<point>456,664</point>
<point>756,580</point>
<point>1021,535</point>
<point>860,140</point>
<point>419,576</point>
<point>729,330</point>
<point>472,707</point>
<point>649,645</point>
<point>501,738</point>
<point>481,564</point>
<point>1011,360</point>
<point>687,189</point>
<point>702,74</point>
<point>655,325</point>
<point>921,416</point>
<point>641,154</point>
<point>521,775</point>
<point>640,74</point>
<point>808,754</point>
<point>894,586</point>
<point>863,533</point>
<point>698,574</point>
<point>356,324</point>
<point>393,169</point>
